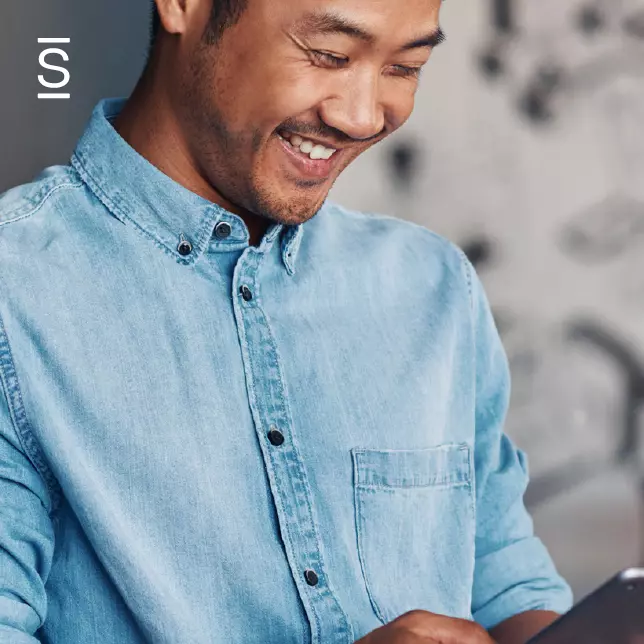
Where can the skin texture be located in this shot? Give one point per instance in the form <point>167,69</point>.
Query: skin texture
<point>219,106</point>
<point>521,628</point>
<point>206,112</point>
<point>422,627</point>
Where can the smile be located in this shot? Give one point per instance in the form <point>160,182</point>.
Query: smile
<point>309,159</point>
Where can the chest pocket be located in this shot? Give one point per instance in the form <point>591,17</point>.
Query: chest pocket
<point>415,525</point>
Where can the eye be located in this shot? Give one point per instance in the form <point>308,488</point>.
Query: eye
<point>407,72</point>
<point>330,60</point>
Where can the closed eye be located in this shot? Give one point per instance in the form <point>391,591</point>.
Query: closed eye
<point>407,72</point>
<point>337,62</point>
<point>328,59</point>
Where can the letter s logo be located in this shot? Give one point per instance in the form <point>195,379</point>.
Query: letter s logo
<point>56,68</point>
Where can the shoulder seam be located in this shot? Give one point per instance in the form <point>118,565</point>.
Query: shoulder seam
<point>379,215</point>
<point>465,263</point>
<point>11,386</point>
<point>34,205</point>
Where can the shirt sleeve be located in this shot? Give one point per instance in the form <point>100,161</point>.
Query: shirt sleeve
<point>26,536</point>
<point>513,571</point>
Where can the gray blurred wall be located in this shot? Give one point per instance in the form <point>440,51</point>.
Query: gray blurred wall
<point>107,52</point>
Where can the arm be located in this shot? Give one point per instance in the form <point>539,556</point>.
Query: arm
<point>520,628</point>
<point>513,572</point>
<point>26,534</point>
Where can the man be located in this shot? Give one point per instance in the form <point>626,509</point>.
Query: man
<point>231,410</point>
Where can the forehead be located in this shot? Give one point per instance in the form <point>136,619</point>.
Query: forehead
<point>385,19</point>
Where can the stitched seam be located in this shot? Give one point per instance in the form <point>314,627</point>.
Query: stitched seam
<point>292,248</point>
<point>447,479</point>
<point>108,202</point>
<point>438,448</point>
<point>468,274</point>
<point>383,614</point>
<point>372,214</point>
<point>19,417</point>
<point>360,543</point>
<point>359,492</point>
<point>307,491</point>
<point>470,485</point>
<point>361,529</point>
<point>122,210</point>
<point>26,211</point>
<point>94,186</point>
<point>465,263</point>
<point>112,206</point>
<point>438,485</point>
<point>328,590</point>
<point>286,535</point>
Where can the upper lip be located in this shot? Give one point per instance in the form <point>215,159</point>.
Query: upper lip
<point>326,144</point>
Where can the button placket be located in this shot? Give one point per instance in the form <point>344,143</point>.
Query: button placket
<point>287,476</point>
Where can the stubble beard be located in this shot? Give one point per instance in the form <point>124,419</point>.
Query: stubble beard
<point>220,148</point>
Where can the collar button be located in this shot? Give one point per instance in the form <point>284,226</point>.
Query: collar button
<point>184,248</point>
<point>223,230</point>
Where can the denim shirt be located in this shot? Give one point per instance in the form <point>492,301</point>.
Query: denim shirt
<point>207,442</point>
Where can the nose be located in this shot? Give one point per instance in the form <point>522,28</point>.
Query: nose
<point>355,107</point>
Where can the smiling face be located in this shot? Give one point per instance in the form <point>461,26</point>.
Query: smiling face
<point>294,92</point>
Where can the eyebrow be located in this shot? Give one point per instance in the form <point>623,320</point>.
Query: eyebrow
<point>328,22</point>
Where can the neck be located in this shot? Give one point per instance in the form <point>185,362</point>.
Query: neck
<point>149,125</point>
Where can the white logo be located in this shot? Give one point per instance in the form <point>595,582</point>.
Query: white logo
<point>42,59</point>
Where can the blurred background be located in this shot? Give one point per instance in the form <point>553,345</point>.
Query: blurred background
<point>526,148</point>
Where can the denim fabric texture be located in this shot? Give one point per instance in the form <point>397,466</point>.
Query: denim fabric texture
<point>146,494</point>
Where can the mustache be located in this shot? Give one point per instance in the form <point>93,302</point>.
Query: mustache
<point>324,131</point>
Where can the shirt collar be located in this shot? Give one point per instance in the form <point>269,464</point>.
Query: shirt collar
<point>136,191</point>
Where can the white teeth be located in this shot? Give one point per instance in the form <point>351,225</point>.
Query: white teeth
<point>318,152</point>
<point>307,147</point>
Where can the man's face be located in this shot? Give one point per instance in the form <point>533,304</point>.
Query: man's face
<point>338,73</point>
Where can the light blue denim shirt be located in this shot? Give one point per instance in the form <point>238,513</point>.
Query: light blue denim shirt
<point>206,442</point>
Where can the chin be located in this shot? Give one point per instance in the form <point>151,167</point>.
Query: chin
<point>293,215</point>
<point>291,209</point>
<point>297,212</point>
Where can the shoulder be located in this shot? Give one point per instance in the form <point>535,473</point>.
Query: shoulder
<point>23,201</point>
<point>32,216</point>
<point>390,238</point>
<point>29,212</point>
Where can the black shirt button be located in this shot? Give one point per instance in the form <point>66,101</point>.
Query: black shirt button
<point>311,577</point>
<point>223,230</point>
<point>246,293</point>
<point>184,248</point>
<point>275,437</point>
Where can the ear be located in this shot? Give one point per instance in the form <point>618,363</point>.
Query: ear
<point>175,15</point>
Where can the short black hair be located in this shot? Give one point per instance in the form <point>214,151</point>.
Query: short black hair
<point>224,14</point>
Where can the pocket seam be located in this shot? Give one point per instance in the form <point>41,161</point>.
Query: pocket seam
<point>368,488</point>
<point>438,484</point>
<point>461,475</point>
<point>361,550</point>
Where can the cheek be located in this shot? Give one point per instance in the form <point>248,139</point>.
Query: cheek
<point>289,91</point>
<point>293,101</point>
<point>398,107</point>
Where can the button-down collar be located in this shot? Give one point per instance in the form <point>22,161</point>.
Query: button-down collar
<point>135,190</point>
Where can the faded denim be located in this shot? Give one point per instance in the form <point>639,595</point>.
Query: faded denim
<point>141,498</point>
